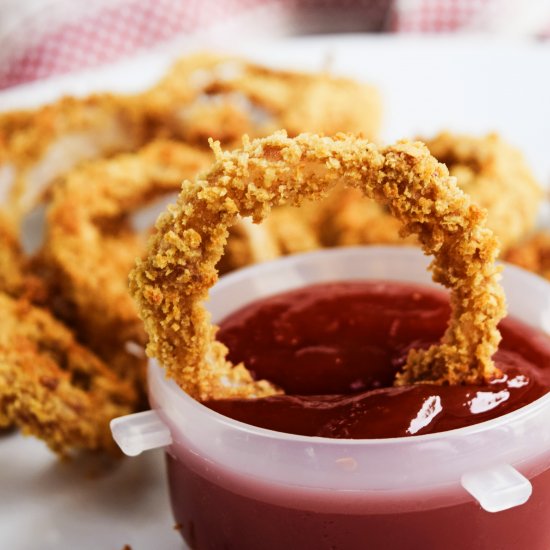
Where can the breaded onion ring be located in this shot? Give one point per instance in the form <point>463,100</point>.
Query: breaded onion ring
<point>532,254</point>
<point>172,282</point>
<point>15,278</point>
<point>37,146</point>
<point>52,387</point>
<point>302,102</point>
<point>202,95</point>
<point>490,170</point>
<point>91,246</point>
<point>496,175</point>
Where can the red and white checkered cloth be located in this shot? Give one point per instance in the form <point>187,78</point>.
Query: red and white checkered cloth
<point>41,38</point>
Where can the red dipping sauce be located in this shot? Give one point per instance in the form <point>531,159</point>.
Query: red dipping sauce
<point>335,348</point>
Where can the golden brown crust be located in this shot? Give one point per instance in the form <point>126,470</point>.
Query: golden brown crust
<point>91,246</point>
<point>15,277</point>
<point>347,218</point>
<point>496,176</point>
<point>305,102</point>
<point>487,168</point>
<point>52,387</point>
<point>293,228</point>
<point>532,254</point>
<point>172,282</point>
<point>39,145</point>
<point>203,95</point>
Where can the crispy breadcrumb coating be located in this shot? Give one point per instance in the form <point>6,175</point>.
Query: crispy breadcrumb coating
<point>91,245</point>
<point>302,102</point>
<point>495,174</point>
<point>15,277</point>
<point>172,282</point>
<point>38,146</point>
<point>532,254</point>
<point>52,387</point>
<point>203,95</point>
<point>487,168</point>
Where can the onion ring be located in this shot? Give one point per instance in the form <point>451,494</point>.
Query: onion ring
<point>52,387</point>
<point>490,170</point>
<point>15,277</point>
<point>91,246</point>
<point>201,96</point>
<point>303,102</point>
<point>532,254</point>
<point>171,283</point>
<point>38,146</point>
<point>495,174</point>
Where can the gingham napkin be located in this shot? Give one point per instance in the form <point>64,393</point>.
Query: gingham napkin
<point>41,38</point>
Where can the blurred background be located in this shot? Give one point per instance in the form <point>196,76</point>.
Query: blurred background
<point>42,38</point>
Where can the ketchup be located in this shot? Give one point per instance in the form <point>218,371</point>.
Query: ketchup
<point>335,350</point>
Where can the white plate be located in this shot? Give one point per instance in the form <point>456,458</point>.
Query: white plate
<point>428,84</point>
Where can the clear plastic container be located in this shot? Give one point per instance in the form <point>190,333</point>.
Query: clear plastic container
<point>233,485</point>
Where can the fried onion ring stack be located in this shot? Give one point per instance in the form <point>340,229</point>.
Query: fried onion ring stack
<point>97,162</point>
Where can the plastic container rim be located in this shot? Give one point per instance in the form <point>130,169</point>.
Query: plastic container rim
<point>156,372</point>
